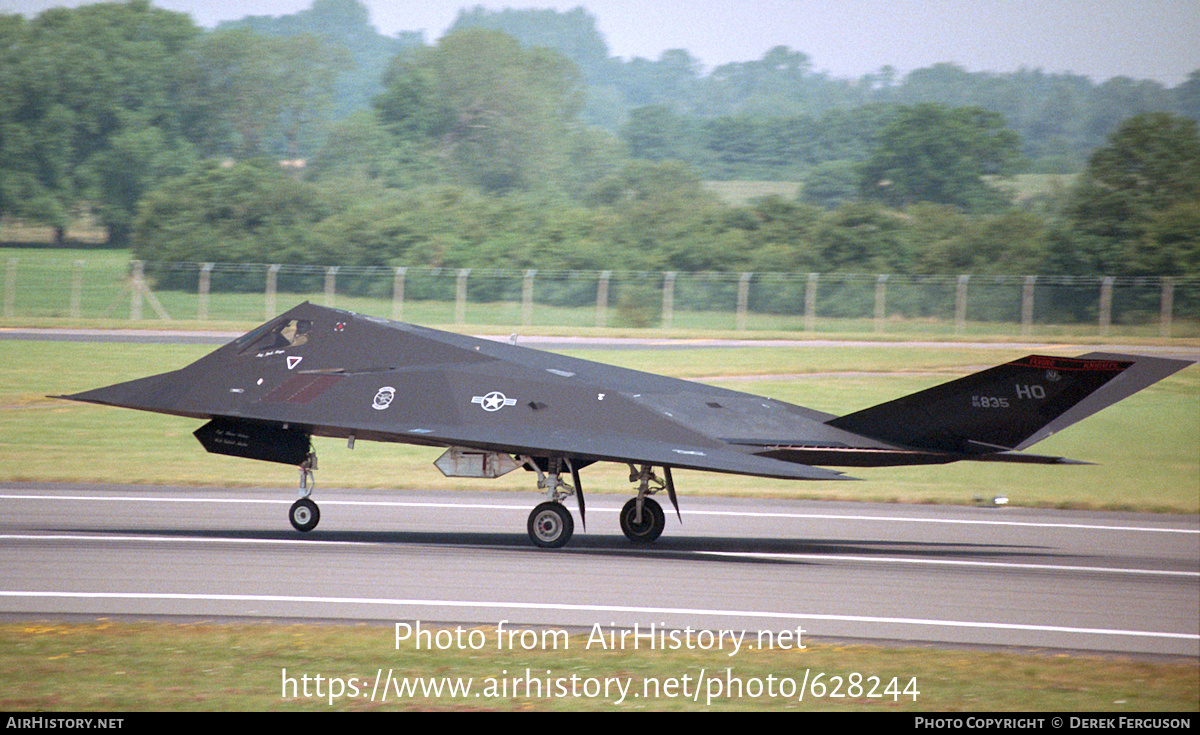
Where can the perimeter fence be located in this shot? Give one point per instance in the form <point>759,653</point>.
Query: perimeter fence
<point>118,290</point>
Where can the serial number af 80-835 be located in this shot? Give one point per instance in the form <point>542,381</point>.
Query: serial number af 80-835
<point>988,402</point>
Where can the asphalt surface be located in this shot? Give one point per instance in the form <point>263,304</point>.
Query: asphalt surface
<point>975,576</point>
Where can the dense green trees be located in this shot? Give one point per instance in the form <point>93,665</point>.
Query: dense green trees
<point>103,102</point>
<point>516,141</point>
<point>500,114</point>
<point>645,216</point>
<point>249,212</point>
<point>249,95</point>
<point>941,155</point>
<point>1150,165</point>
<point>1136,209</point>
<point>1059,118</point>
<point>341,27</point>
<point>90,110</point>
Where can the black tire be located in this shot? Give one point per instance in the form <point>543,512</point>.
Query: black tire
<point>304,515</point>
<point>652,525</point>
<point>550,525</point>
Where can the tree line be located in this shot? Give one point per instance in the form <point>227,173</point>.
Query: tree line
<point>517,141</point>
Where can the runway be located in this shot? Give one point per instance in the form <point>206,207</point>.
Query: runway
<point>928,575</point>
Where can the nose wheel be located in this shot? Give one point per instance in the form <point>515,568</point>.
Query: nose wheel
<point>304,515</point>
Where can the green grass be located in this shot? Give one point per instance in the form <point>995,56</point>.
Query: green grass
<point>1147,448</point>
<point>110,666</point>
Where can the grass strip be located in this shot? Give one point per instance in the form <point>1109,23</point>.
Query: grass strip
<point>138,666</point>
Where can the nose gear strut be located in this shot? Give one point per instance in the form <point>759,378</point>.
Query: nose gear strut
<point>304,513</point>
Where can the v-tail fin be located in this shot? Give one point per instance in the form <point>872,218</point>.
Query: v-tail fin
<point>1010,406</point>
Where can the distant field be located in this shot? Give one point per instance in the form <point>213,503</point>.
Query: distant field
<point>1022,186</point>
<point>1029,186</point>
<point>83,231</point>
<point>737,193</point>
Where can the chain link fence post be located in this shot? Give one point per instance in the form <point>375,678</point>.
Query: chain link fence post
<point>602,299</point>
<point>1167,307</point>
<point>810,302</point>
<point>1027,304</point>
<point>398,294</point>
<point>960,304</point>
<point>272,287</point>
<point>202,291</point>
<point>460,296</point>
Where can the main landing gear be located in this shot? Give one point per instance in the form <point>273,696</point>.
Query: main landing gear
<point>642,520</point>
<point>550,524</point>
<point>304,513</point>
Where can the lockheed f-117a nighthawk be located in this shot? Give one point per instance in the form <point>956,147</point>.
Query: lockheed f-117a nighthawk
<point>495,407</point>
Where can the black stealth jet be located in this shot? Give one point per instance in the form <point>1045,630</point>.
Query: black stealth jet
<point>495,407</point>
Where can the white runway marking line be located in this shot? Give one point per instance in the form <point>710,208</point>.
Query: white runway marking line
<point>952,521</point>
<point>174,539</point>
<point>951,562</point>
<point>601,509</point>
<point>588,608</point>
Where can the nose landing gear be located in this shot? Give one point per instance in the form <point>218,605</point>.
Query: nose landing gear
<point>304,513</point>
